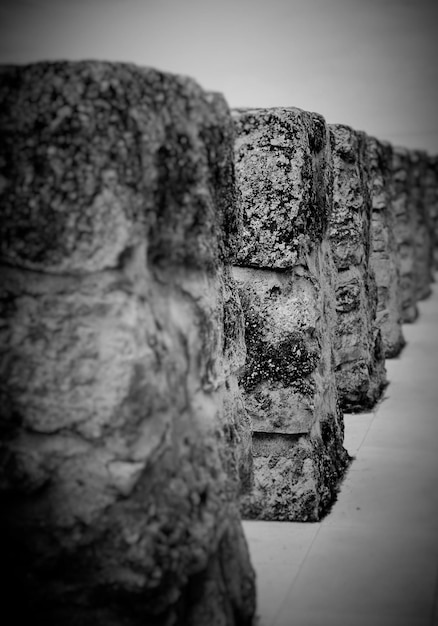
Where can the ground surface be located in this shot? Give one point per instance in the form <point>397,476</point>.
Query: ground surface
<point>373,561</point>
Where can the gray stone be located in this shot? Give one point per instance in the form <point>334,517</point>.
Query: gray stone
<point>431,201</point>
<point>285,210</point>
<point>404,229</point>
<point>423,233</point>
<point>360,363</point>
<point>385,257</point>
<point>286,280</point>
<point>125,435</point>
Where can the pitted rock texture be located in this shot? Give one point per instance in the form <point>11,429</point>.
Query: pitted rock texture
<point>360,362</point>
<point>125,438</point>
<point>430,183</point>
<point>290,393</point>
<point>423,233</point>
<point>94,135</point>
<point>385,255</point>
<point>280,378</point>
<point>282,178</point>
<point>404,229</point>
<point>286,280</point>
<point>297,476</point>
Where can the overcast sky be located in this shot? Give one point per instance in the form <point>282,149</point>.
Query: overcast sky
<point>372,64</point>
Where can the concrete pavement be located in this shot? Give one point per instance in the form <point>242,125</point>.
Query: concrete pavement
<point>373,561</point>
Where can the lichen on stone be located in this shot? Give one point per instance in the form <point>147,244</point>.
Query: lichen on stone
<point>360,376</point>
<point>127,438</point>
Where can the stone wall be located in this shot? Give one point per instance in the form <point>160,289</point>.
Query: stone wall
<point>360,362</point>
<point>124,434</point>
<point>286,278</point>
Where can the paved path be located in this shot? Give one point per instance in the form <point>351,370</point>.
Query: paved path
<point>373,561</point>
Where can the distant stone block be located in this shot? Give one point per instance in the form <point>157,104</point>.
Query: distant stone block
<point>414,226</point>
<point>404,229</point>
<point>430,182</point>
<point>423,232</point>
<point>385,257</point>
<point>359,357</point>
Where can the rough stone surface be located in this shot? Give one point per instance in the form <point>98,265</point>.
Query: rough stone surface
<point>385,257</point>
<point>360,362</point>
<point>404,229</point>
<point>285,209</point>
<point>423,232</point>
<point>431,200</point>
<point>124,437</point>
<point>286,277</point>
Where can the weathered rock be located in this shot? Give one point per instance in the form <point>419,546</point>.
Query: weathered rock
<point>423,237</point>
<point>285,209</point>
<point>385,257</point>
<point>404,229</point>
<point>285,276</point>
<point>360,362</point>
<point>431,201</point>
<point>124,434</point>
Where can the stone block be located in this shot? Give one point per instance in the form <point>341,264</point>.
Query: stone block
<point>360,366</point>
<point>431,201</point>
<point>280,377</point>
<point>286,280</point>
<point>412,190</point>
<point>423,232</point>
<point>404,229</point>
<point>385,257</point>
<point>281,168</point>
<point>125,435</point>
<point>297,476</point>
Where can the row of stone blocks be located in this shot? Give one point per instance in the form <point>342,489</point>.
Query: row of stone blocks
<point>333,257</point>
<point>189,299</point>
